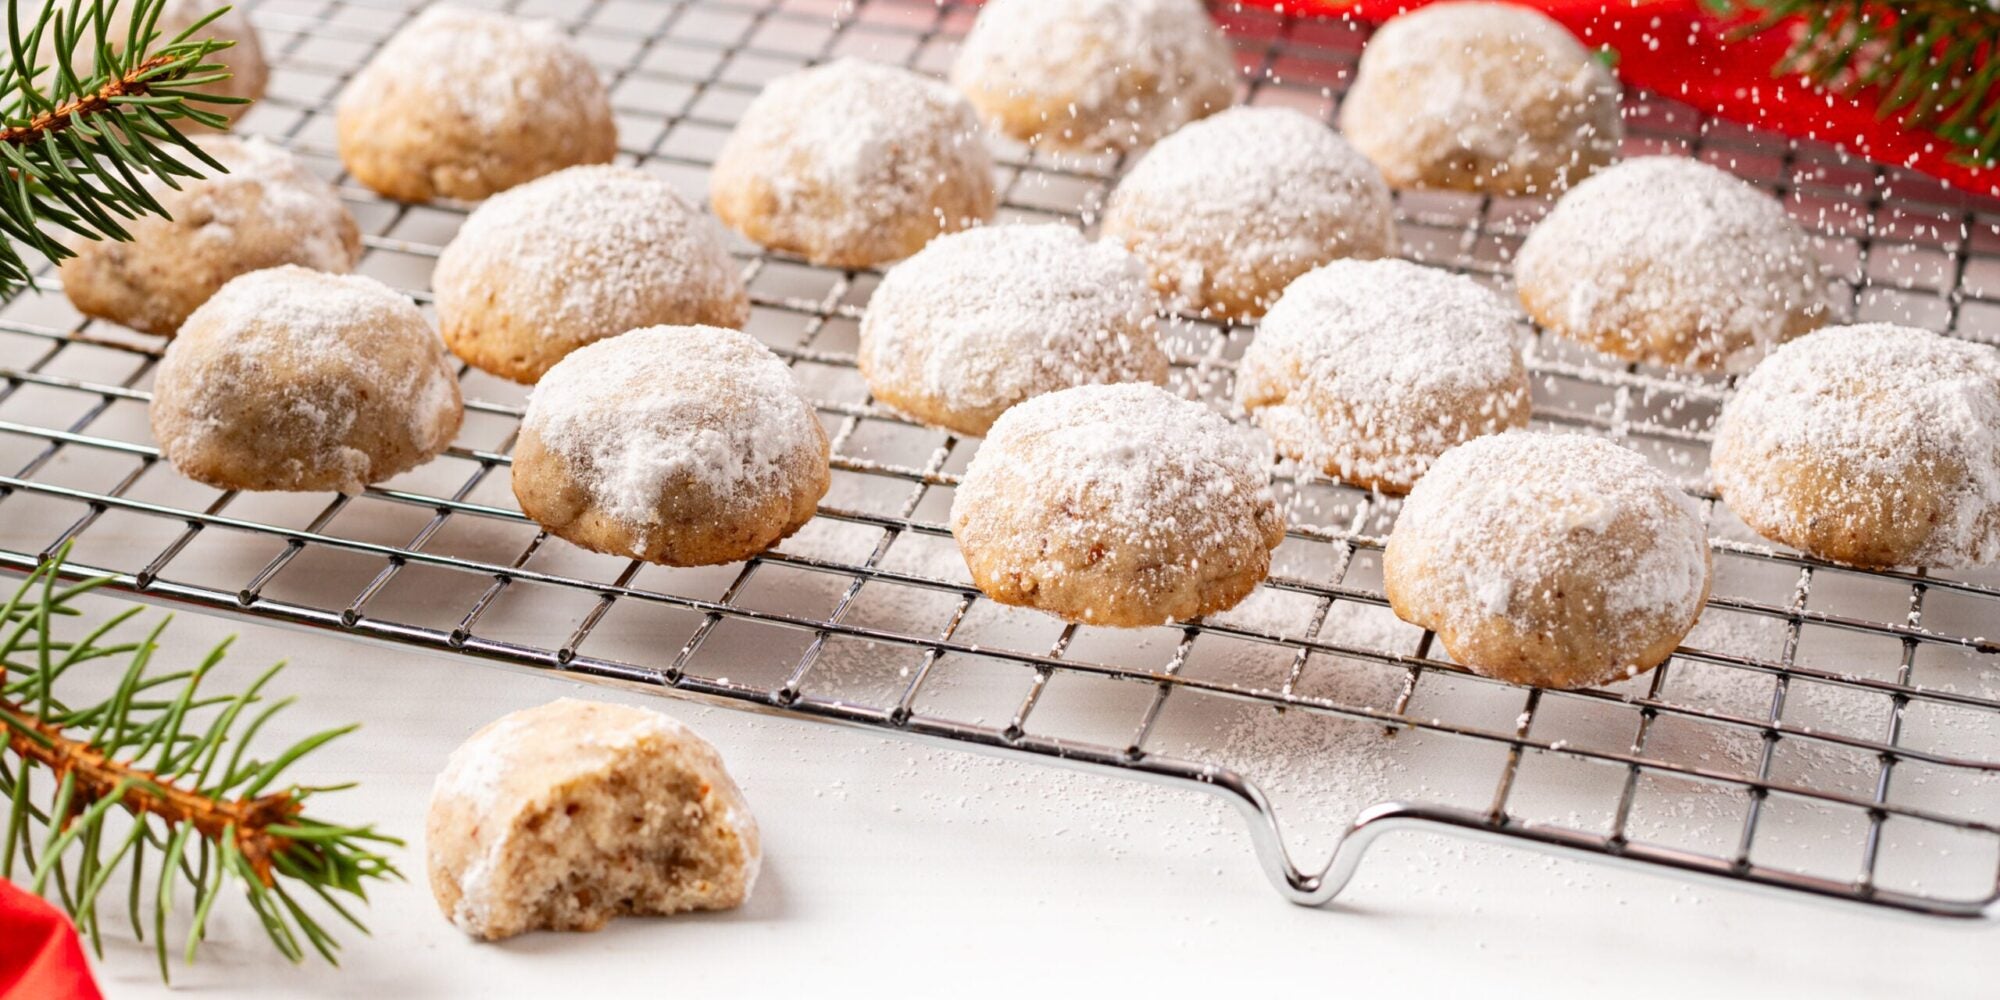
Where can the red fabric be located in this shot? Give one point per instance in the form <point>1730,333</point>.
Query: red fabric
<point>1676,48</point>
<point>40,956</point>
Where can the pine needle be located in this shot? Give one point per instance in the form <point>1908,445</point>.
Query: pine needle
<point>68,770</point>
<point>1933,64</point>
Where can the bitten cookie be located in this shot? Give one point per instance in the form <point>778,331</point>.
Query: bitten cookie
<point>565,816</point>
<point>1229,210</point>
<point>463,104</point>
<point>1874,445</point>
<point>1556,560</point>
<point>853,164</point>
<point>1482,97</point>
<point>289,379</point>
<point>244,60</point>
<point>981,320</point>
<point>687,446</point>
<point>268,210</point>
<point>1094,75</point>
<point>1118,505</point>
<point>1369,370</point>
<point>577,256</point>
<point>1670,261</point>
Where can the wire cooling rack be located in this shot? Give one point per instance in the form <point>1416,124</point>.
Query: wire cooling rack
<point>1824,730</point>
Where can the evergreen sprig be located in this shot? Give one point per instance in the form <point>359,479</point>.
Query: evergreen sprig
<point>96,791</point>
<point>90,94</point>
<point>1935,64</point>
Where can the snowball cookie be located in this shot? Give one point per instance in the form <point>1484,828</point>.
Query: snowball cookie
<point>1482,97</point>
<point>980,320</point>
<point>1227,211</point>
<point>564,816</point>
<point>1556,560</point>
<point>462,104</point>
<point>1369,370</point>
<point>1119,505</point>
<point>683,445</point>
<point>1094,75</point>
<point>268,210</point>
<point>577,256</point>
<point>853,164</point>
<point>243,59</point>
<point>1874,445</point>
<point>1670,261</point>
<point>290,379</point>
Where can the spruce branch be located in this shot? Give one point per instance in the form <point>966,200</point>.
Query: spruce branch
<point>90,97</point>
<point>1933,64</point>
<point>92,789</point>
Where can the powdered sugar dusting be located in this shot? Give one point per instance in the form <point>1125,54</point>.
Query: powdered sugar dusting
<point>478,64</point>
<point>1673,244</point>
<point>333,349</point>
<point>1269,192</point>
<point>1371,369</point>
<point>852,146</point>
<point>1122,72</point>
<point>1501,516</point>
<point>594,250</point>
<point>980,320</point>
<point>288,200</point>
<point>1491,87</point>
<point>1893,409</point>
<point>640,412</point>
<point>1149,496</point>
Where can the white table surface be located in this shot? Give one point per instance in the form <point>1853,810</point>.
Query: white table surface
<point>900,870</point>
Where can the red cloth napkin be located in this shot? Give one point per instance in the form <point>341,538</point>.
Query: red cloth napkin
<point>1676,48</point>
<point>40,956</point>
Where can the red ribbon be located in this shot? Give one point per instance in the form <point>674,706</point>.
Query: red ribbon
<point>1678,49</point>
<point>40,955</point>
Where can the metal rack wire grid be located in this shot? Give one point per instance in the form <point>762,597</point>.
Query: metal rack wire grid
<point>1824,730</point>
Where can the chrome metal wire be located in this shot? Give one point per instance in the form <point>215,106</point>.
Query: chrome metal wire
<point>872,583</point>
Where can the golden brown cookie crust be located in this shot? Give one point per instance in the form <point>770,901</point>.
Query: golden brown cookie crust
<point>1117,505</point>
<point>1555,560</point>
<point>439,111</point>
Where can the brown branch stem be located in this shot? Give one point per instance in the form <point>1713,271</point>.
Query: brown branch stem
<point>60,117</point>
<point>98,775</point>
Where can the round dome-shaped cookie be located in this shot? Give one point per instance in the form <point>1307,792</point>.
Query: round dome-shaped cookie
<point>1229,210</point>
<point>463,104</point>
<point>686,445</point>
<point>981,320</point>
<point>1369,370</point>
<point>572,258</point>
<point>1119,505</point>
<point>1670,261</point>
<point>249,73</point>
<point>268,210</point>
<point>289,379</point>
<point>564,816</point>
<point>1482,97</point>
<point>1556,560</point>
<point>1875,445</point>
<point>1094,75</point>
<point>853,164</point>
